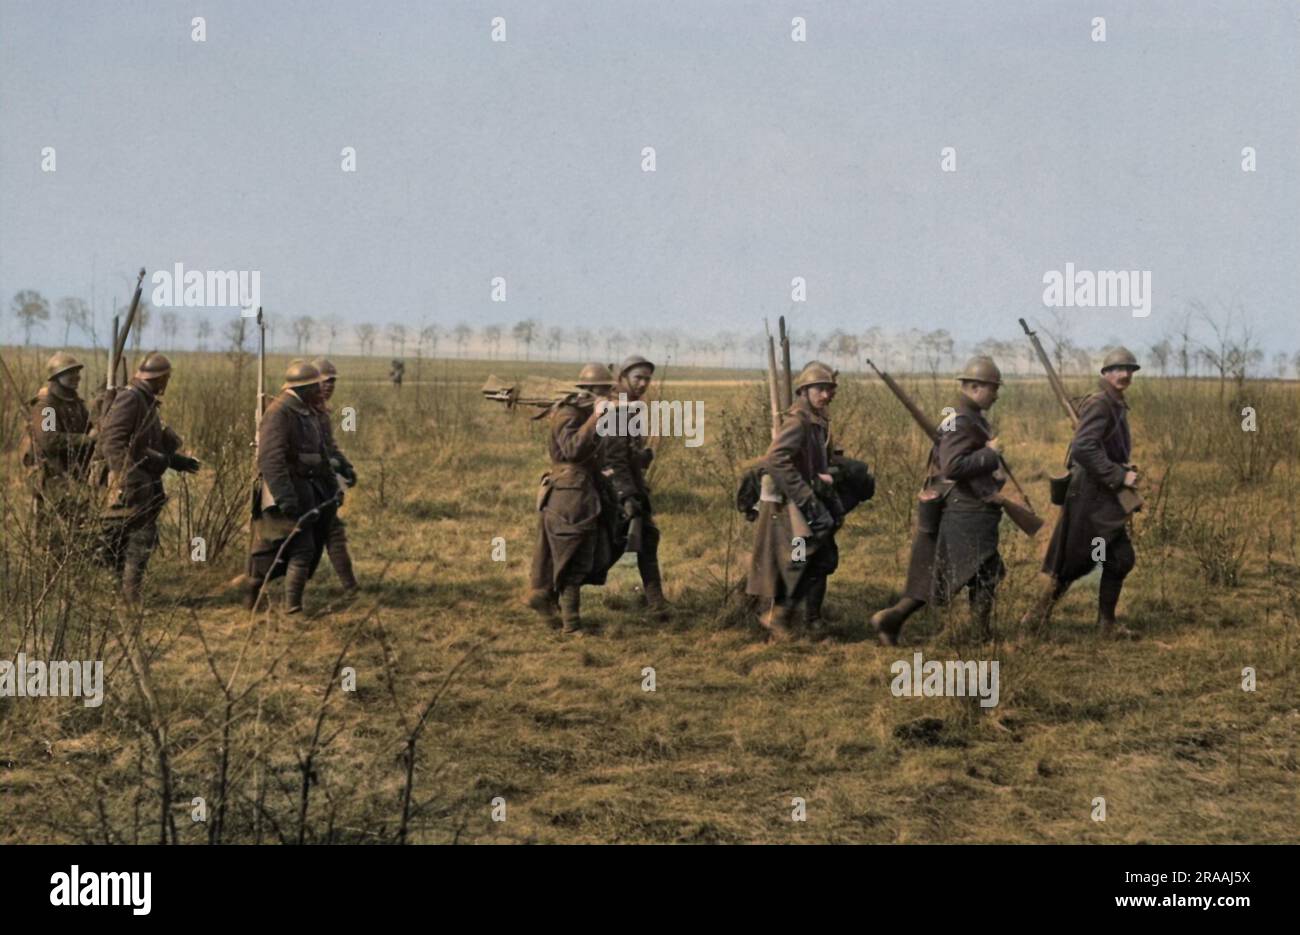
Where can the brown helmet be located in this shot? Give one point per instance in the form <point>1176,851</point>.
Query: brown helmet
<point>636,360</point>
<point>981,369</point>
<point>594,375</point>
<point>813,374</point>
<point>1119,357</point>
<point>60,364</point>
<point>326,368</point>
<point>153,366</point>
<point>300,373</point>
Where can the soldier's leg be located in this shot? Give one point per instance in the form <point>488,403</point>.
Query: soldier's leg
<point>983,591</point>
<point>336,543</point>
<point>813,599</point>
<point>139,545</point>
<point>1039,615</point>
<point>571,584</point>
<point>1120,559</point>
<point>647,562</point>
<point>303,552</point>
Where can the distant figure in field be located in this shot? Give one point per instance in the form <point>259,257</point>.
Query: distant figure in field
<point>396,373</point>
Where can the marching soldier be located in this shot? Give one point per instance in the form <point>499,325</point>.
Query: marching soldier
<point>966,547</point>
<point>138,449</point>
<point>298,490</point>
<point>58,446</point>
<point>579,514</point>
<point>336,543</point>
<point>629,457</point>
<point>1100,476</point>
<point>396,372</point>
<point>798,463</point>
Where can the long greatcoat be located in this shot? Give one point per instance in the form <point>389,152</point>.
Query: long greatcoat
<point>968,530</point>
<point>800,451</point>
<point>137,448</point>
<point>579,515</point>
<point>1098,459</point>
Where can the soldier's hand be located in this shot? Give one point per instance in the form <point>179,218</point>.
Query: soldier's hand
<point>350,478</point>
<point>631,508</point>
<point>647,455</point>
<point>1130,478</point>
<point>183,463</point>
<point>995,443</point>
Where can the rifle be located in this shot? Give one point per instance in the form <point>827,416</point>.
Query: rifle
<point>798,525</point>
<point>1129,499</point>
<point>1022,515</point>
<point>119,344</point>
<point>787,383</point>
<point>261,375</point>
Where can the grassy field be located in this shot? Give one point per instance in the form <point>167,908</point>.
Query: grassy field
<point>467,709</point>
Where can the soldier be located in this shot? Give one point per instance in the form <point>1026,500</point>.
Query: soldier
<point>1098,461</point>
<point>298,489</point>
<point>798,462</point>
<point>58,446</point>
<point>576,534</point>
<point>966,547</point>
<point>629,456</point>
<point>396,372</point>
<point>138,449</point>
<point>336,544</point>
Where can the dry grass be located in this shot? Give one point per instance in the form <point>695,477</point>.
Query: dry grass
<point>562,730</point>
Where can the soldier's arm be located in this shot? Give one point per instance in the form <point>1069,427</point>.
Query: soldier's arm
<point>117,435</point>
<point>1087,448</point>
<point>576,439</point>
<point>273,459</point>
<point>780,458</point>
<point>962,454</point>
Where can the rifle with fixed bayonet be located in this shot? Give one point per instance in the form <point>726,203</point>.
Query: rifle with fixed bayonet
<point>767,486</point>
<point>1022,515</point>
<point>119,346</point>
<point>1129,499</point>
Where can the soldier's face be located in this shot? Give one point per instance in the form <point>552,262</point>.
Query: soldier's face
<point>70,380</point>
<point>327,388</point>
<point>638,381</point>
<point>820,396</point>
<point>1118,377</point>
<point>309,393</point>
<point>984,395</point>
<point>160,383</point>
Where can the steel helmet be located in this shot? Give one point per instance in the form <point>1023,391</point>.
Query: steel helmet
<point>300,373</point>
<point>982,369</point>
<point>1119,357</point>
<point>153,366</point>
<point>595,375</point>
<point>813,374</point>
<point>61,363</point>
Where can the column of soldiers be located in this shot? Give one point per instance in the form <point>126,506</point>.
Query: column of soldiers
<point>595,498</point>
<point>302,473</point>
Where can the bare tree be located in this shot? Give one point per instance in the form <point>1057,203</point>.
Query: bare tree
<point>31,308</point>
<point>303,326</point>
<point>430,335</point>
<point>492,338</point>
<point>332,326</point>
<point>397,337</point>
<point>366,337</point>
<point>75,314</point>
<point>554,339</point>
<point>202,331</point>
<point>524,332</point>
<point>171,324</point>
<point>583,337</point>
<point>463,333</point>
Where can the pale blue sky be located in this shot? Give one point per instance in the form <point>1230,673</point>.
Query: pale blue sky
<point>775,159</point>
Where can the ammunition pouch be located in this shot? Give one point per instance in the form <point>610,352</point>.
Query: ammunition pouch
<point>1060,488</point>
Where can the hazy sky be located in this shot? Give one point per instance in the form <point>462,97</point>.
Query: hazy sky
<point>775,159</point>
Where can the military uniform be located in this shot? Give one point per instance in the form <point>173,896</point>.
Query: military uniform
<point>955,534</point>
<point>293,507</point>
<point>576,536</point>
<point>798,454</point>
<point>58,447</point>
<point>137,448</point>
<point>627,458</point>
<point>336,543</point>
<point>966,547</point>
<point>1098,460</point>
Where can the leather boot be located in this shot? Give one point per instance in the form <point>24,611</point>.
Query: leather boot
<point>132,580</point>
<point>337,546</point>
<point>655,601</point>
<point>888,623</point>
<point>250,587</point>
<point>1107,601</point>
<point>777,623</point>
<point>546,603</point>
<point>813,619</point>
<point>1039,615</point>
<point>570,605</point>
<point>295,583</point>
